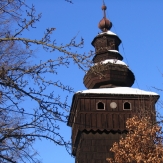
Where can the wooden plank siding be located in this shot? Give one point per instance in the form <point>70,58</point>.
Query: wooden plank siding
<point>101,121</point>
<point>86,120</point>
<point>95,146</point>
<point>88,117</point>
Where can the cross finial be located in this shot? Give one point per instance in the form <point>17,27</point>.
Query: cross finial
<point>104,8</point>
<point>103,2</point>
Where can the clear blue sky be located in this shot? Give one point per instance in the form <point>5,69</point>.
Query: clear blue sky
<point>139,24</point>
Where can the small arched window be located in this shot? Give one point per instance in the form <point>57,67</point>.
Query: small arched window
<point>100,106</point>
<point>127,106</point>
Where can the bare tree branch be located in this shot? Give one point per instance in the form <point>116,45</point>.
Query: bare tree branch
<point>23,82</point>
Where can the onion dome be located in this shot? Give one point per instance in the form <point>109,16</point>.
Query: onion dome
<point>108,70</point>
<point>104,24</point>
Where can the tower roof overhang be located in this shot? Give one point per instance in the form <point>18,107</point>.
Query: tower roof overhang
<point>119,91</point>
<point>110,93</point>
<point>108,33</point>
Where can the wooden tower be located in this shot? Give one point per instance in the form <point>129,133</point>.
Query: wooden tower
<point>98,115</point>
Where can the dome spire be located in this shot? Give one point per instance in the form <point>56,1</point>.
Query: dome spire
<point>104,24</point>
<point>104,8</point>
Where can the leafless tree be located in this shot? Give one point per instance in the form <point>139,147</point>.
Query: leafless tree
<point>22,80</point>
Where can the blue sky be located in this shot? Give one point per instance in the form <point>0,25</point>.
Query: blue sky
<point>139,25</point>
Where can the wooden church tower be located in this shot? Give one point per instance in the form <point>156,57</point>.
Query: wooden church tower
<point>98,115</point>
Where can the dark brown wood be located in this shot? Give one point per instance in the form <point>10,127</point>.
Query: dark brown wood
<point>107,55</point>
<point>108,74</point>
<point>104,42</point>
<point>94,131</point>
<point>94,147</point>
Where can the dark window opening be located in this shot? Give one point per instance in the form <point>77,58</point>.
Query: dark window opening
<point>127,106</point>
<point>101,106</point>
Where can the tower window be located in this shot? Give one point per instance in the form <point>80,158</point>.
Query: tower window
<point>100,106</point>
<point>127,106</point>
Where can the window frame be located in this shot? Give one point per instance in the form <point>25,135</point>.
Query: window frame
<point>128,103</point>
<point>98,103</point>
